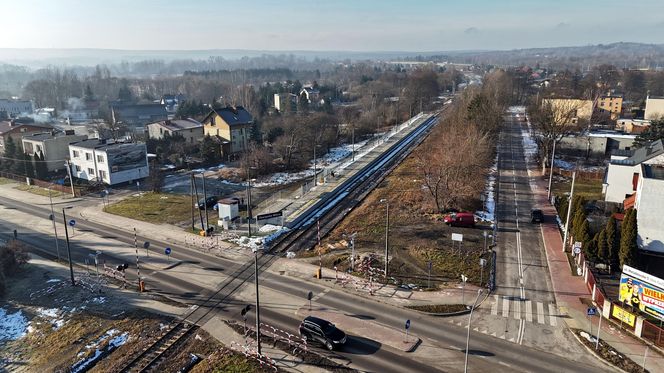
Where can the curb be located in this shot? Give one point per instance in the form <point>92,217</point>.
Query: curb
<point>595,353</point>
<point>450,314</point>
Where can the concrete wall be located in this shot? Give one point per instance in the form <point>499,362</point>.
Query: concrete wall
<point>654,108</point>
<point>649,206</point>
<point>55,150</point>
<point>191,135</point>
<point>619,182</point>
<point>81,166</point>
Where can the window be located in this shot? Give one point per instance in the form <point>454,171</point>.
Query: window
<point>75,153</point>
<point>78,168</point>
<point>39,148</point>
<point>91,171</point>
<point>161,131</point>
<point>102,174</point>
<point>100,158</point>
<point>88,156</point>
<point>114,169</point>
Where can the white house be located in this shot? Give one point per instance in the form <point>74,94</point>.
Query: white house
<point>649,205</point>
<point>654,108</point>
<point>622,176</point>
<point>97,160</point>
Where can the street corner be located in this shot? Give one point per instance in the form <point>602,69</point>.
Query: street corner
<point>362,329</point>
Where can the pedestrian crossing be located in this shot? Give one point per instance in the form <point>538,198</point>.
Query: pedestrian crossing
<point>533,312</point>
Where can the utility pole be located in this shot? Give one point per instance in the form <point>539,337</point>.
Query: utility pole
<point>193,202</point>
<point>57,245</point>
<point>207,221</point>
<point>569,212</point>
<point>258,308</point>
<point>553,157</point>
<point>71,266</point>
<point>315,176</point>
<point>249,206</point>
<point>353,140</point>
<point>387,236</point>
<point>71,180</point>
<point>197,207</point>
<point>470,318</point>
<point>138,266</point>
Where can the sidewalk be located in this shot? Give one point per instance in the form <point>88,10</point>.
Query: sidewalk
<point>569,290</point>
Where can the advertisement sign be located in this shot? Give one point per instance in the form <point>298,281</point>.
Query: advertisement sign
<point>622,314</point>
<point>643,291</point>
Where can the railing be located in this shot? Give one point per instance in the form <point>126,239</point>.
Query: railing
<point>653,333</point>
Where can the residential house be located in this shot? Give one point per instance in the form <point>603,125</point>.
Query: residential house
<point>632,126</point>
<point>172,102</point>
<point>623,174</point>
<point>138,115</point>
<point>654,108</point>
<point>311,94</point>
<point>190,129</point>
<point>283,99</point>
<point>649,204</point>
<point>583,109</point>
<point>231,127</point>
<point>611,103</point>
<point>596,144</point>
<point>14,108</point>
<point>101,161</point>
<point>53,146</point>
<point>16,130</point>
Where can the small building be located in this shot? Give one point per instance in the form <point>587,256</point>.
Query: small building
<point>623,174</point>
<point>611,103</point>
<point>17,130</point>
<point>596,144</point>
<point>649,205</point>
<point>138,115</point>
<point>231,127</point>
<point>654,108</point>
<point>632,126</point>
<point>172,102</point>
<point>283,99</point>
<point>311,94</point>
<point>229,210</point>
<point>15,108</point>
<point>53,146</point>
<point>582,109</point>
<point>190,129</point>
<point>101,161</point>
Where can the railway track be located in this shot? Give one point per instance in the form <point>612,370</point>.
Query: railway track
<point>328,211</point>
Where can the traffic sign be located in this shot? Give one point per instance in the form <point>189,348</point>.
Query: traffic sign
<point>167,251</point>
<point>310,295</point>
<point>578,244</point>
<point>457,237</point>
<point>482,262</point>
<point>269,215</point>
<point>407,324</point>
<point>592,311</point>
<point>72,222</point>
<point>577,250</point>
<point>146,244</point>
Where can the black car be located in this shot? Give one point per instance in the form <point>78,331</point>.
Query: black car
<point>323,332</point>
<point>536,216</point>
<point>209,202</point>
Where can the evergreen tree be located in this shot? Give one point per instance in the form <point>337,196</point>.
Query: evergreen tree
<point>628,235</point>
<point>577,222</point>
<point>578,204</point>
<point>586,239</point>
<point>41,169</point>
<point>612,240</point>
<point>602,247</point>
<point>10,155</point>
<point>28,166</point>
<point>88,95</point>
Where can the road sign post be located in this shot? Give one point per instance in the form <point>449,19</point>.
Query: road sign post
<point>72,223</point>
<point>310,296</point>
<point>430,265</point>
<point>591,311</point>
<point>407,327</point>
<point>463,289</point>
<point>167,251</point>
<point>482,264</point>
<point>146,245</point>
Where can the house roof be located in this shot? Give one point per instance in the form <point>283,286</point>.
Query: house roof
<point>653,171</point>
<point>48,135</point>
<point>99,144</point>
<point>179,124</point>
<point>642,154</point>
<point>7,126</point>
<point>233,115</point>
<point>139,110</point>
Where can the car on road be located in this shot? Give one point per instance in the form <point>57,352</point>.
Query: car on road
<point>536,216</point>
<point>460,219</point>
<point>322,331</point>
<point>206,202</point>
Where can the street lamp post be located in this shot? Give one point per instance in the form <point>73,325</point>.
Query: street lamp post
<point>569,210</point>
<point>71,266</point>
<point>258,309</point>
<point>470,317</point>
<point>249,206</point>
<point>553,157</point>
<point>57,245</point>
<point>387,235</point>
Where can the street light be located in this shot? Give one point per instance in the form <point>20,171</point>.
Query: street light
<point>470,317</point>
<point>71,267</point>
<point>387,235</point>
<point>249,205</point>
<point>258,309</point>
<point>57,246</point>
<point>315,176</point>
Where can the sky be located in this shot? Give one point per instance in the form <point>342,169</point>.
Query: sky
<point>334,25</point>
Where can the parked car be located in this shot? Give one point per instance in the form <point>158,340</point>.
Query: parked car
<point>460,219</point>
<point>536,216</point>
<point>206,202</point>
<point>322,331</point>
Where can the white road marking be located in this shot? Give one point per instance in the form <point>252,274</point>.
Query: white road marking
<point>506,307</point>
<point>540,313</point>
<point>529,311</point>
<point>517,310</point>
<point>553,314</point>
<point>494,306</point>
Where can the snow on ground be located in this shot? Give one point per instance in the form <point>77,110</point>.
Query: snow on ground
<point>563,164</point>
<point>589,337</point>
<point>115,342</point>
<point>267,228</point>
<point>517,109</point>
<point>566,165</point>
<point>12,325</point>
<point>488,214</point>
<point>259,243</point>
<point>53,315</point>
<point>529,145</point>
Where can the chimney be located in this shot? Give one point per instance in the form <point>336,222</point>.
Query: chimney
<point>12,123</point>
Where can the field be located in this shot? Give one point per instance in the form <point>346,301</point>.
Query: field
<point>590,189</point>
<point>158,208</point>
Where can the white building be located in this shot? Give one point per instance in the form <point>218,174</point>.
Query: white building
<point>623,175</point>
<point>54,147</point>
<point>14,108</point>
<point>649,205</point>
<point>654,108</point>
<point>111,163</point>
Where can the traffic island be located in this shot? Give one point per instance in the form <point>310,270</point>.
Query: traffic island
<point>364,328</point>
<point>607,353</point>
<point>441,309</point>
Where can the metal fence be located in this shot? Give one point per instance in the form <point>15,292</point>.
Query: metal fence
<point>653,333</point>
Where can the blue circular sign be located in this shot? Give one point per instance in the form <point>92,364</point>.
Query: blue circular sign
<point>167,251</point>
<point>407,324</point>
<point>72,222</point>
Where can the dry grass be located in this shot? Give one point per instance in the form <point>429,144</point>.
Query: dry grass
<point>158,208</point>
<point>38,190</point>
<point>589,189</point>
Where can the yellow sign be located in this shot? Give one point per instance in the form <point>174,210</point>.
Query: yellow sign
<point>623,315</point>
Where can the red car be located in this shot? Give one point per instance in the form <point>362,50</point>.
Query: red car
<point>460,219</point>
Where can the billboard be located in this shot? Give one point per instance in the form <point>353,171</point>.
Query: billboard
<point>642,291</point>
<point>623,315</point>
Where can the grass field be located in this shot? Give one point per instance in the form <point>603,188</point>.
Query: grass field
<point>158,208</point>
<point>38,190</point>
<point>589,189</point>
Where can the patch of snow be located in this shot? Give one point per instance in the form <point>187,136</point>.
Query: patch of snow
<point>488,214</point>
<point>529,145</point>
<point>99,300</point>
<point>198,337</point>
<point>162,326</point>
<point>12,325</point>
<point>589,337</point>
<point>53,280</point>
<point>119,340</point>
<point>53,315</point>
<point>517,109</point>
<point>563,164</point>
<point>269,228</point>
